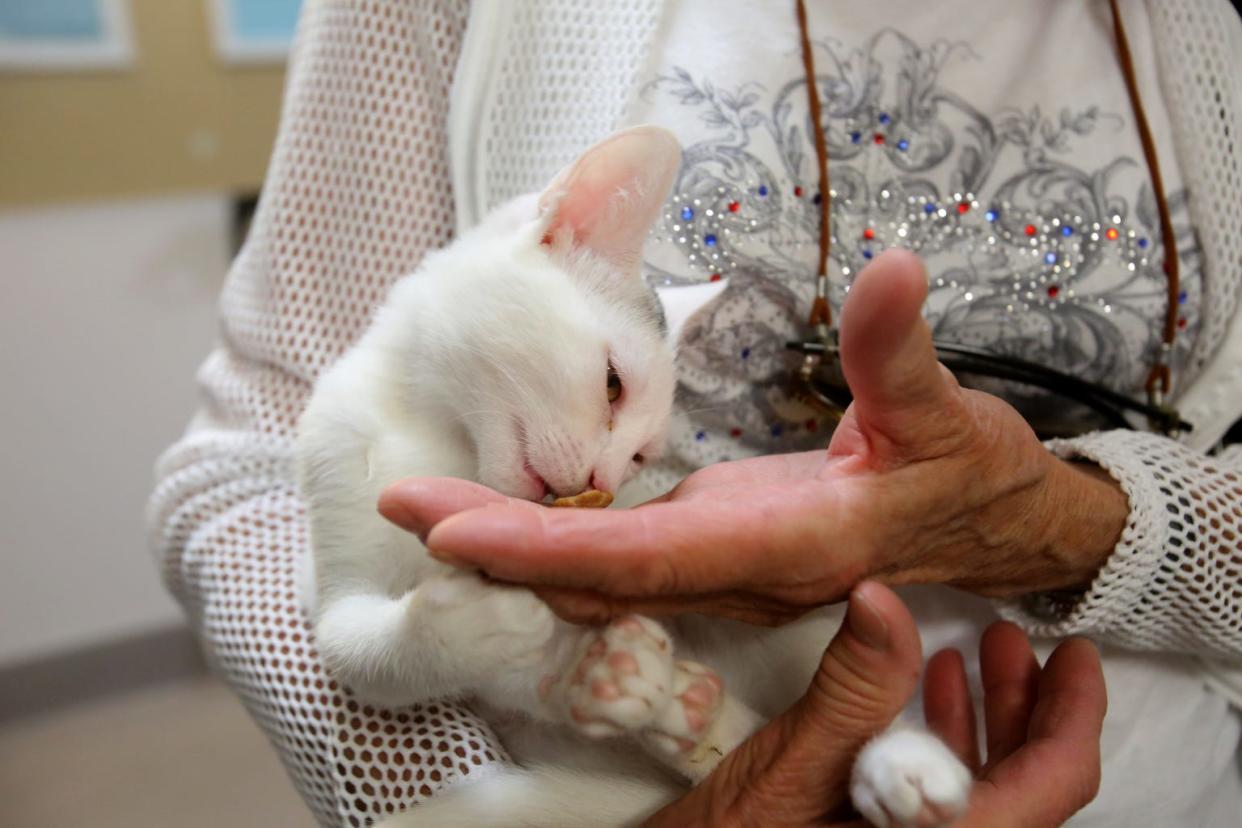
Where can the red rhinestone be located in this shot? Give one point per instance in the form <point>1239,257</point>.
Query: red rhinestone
<point>962,207</point>
<point>715,277</point>
<point>798,192</point>
<point>734,206</point>
<point>1181,323</point>
<point>1030,230</point>
<point>735,432</point>
<point>868,234</point>
<point>1053,290</point>
<point>879,138</point>
<point>1111,233</point>
<point>811,425</point>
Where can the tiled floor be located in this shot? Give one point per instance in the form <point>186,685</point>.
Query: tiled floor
<point>183,755</point>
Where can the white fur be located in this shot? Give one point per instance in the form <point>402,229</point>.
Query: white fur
<point>489,363</point>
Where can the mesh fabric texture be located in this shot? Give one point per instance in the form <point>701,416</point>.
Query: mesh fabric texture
<point>1174,582</point>
<point>358,190</point>
<point>1198,57</point>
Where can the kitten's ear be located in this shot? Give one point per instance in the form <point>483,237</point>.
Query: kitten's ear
<point>609,198</point>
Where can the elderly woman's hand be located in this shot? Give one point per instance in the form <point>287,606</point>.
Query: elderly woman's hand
<point>1042,729</point>
<point>924,482</point>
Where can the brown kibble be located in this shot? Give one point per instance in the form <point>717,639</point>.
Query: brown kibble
<point>590,499</point>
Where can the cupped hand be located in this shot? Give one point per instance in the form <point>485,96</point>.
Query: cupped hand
<point>1042,729</point>
<point>923,482</point>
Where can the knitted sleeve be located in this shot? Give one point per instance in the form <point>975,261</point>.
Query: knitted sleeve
<point>1174,582</point>
<point>357,191</point>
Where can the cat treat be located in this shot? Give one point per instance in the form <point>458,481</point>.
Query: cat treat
<point>590,499</point>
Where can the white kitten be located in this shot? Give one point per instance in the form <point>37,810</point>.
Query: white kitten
<point>530,356</point>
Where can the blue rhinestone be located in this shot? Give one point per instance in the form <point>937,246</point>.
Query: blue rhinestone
<point>884,119</point>
<point>991,215</point>
<point>1067,230</point>
<point>1142,242</point>
<point>1050,257</point>
<point>866,254</point>
<point>903,145</point>
<point>778,430</point>
<point>687,213</point>
<point>701,436</point>
<point>856,137</point>
<point>745,353</point>
<point>710,240</point>
<point>763,190</point>
<point>818,199</point>
<point>1181,297</point>
<point>929,208</point>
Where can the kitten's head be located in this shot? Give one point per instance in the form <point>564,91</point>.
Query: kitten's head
<point>565,369</point>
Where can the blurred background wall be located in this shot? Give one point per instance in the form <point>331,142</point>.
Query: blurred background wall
<point>118,192</point>
<point>178,119</point>
<point>134,135</point>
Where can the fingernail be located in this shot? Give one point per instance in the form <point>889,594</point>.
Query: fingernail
<point>865,621</point>
<point>448,539</point>
<point>442,556</point>
<point>395,512</point>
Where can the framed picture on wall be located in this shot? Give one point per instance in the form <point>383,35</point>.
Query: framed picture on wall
<point>65,35</point>
<point>253,31</point>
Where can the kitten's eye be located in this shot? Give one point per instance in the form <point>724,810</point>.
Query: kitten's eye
<point>638,458</point>
<point>614,385</point>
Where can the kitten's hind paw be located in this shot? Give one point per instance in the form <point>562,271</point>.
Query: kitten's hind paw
<point>909,779</point>
<point>621,681</point>
<point>692,709</point>
<point>701,724</point>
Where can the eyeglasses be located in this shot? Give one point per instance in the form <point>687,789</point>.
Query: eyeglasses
<point>819,377</point>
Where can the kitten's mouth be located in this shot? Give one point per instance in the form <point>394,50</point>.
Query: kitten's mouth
<point>540,484</point>
<point>539,487</point>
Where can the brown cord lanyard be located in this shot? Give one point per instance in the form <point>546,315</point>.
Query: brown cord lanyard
<point>820,321</point>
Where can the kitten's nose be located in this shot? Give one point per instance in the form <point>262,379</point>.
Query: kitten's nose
<point>597,482</point>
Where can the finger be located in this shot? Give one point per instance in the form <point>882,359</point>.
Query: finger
<point>866,676</point>
<point>1010,674</point>
<point>690,547</point>
<point>1057,771</point>
<point>887,353</point>
<point>948,707</point>
<point>595,609</point>
<point>1072,698</point>
<point>418,503</point>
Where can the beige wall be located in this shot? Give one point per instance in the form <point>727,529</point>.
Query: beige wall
<point>109,309</point>
<point>178,120</point>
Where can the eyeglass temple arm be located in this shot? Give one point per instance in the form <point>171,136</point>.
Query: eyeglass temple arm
<point>973,360</point>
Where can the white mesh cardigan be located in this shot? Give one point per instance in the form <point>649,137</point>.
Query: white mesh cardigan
<point>364,180</point>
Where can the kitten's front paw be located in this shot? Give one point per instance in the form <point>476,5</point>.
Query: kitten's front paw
<point>909,779</point>
<point>496,624</point>
<point>621,680</point>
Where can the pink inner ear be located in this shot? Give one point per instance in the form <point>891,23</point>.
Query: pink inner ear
<point>608,200</point>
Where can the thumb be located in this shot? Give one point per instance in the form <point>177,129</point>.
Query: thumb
<point>867,675</point>
<point>887,353</point>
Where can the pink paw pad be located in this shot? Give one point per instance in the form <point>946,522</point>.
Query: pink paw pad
<point>697,696</point>
<point>622,678</point>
